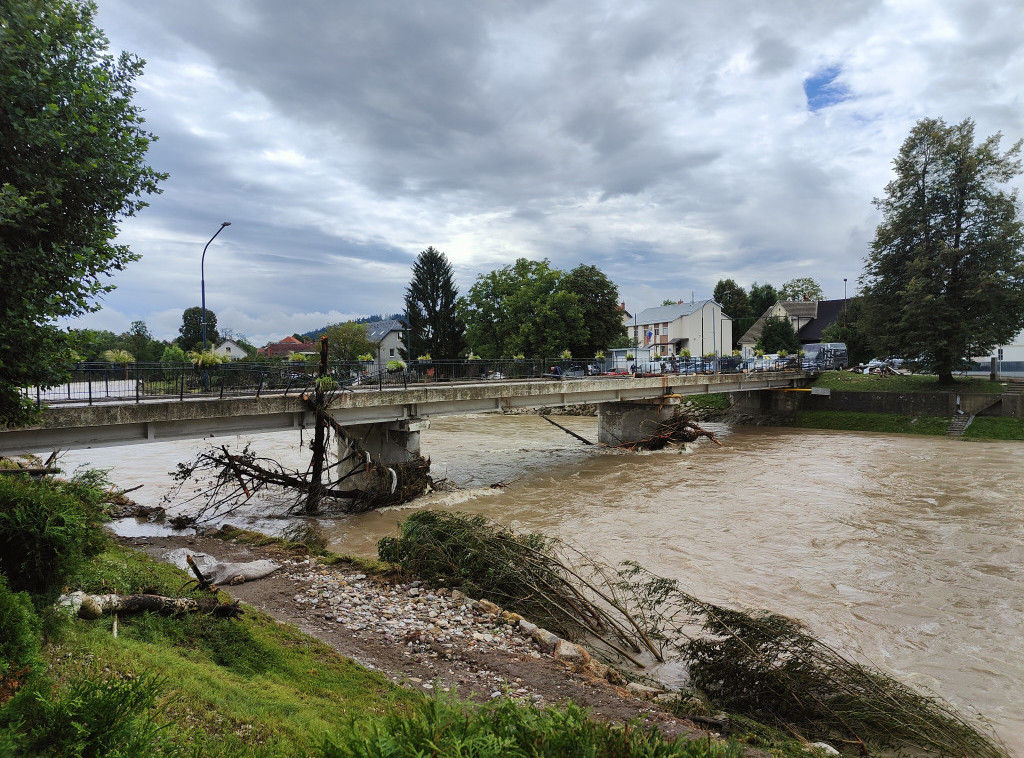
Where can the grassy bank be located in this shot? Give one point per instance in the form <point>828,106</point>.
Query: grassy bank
<point>197,685</point>
<point>847,381</point>
<point>871,422</point>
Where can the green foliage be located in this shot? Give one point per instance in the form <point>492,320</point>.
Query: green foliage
<point>995,428</point>
<point>802,288</point>
<point>777,334</point>
<point>736,304</point>
<point>72,164</point>
<point>885,423</point>
<point>19,630</point>
<point>762,297</point>
<point>530,308</point>
<point>48,529</point>
<point>173,354</point>
<point>204,360</point>
<point>395,365</point>
<point>849,329</point>
<point>190,333</point>
<point>349,341</point>
<point>444,728</point>
<point>91,717</point>
<point>118,356</point>
<point>431,299</point>
<point>945,276</point>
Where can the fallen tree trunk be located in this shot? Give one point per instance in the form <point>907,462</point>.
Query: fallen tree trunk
<point>93,606</point>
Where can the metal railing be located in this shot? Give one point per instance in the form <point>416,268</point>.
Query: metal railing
<point>90,383</point>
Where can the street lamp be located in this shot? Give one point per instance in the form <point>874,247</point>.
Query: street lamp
<point>844,301</point>
<point>202,276</point>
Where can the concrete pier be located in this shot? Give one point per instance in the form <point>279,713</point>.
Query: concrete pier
<point>621,423</point>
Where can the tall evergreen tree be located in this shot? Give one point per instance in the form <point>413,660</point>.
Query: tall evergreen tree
<point>762,297</point>
<point>778,334</point>
<point>190,333</point>
<point>736,304</point>
<point>435,327</point>
<point>945,276</point>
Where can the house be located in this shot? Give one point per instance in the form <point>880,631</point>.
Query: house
<point>389,335</point>
<point>809,318</point>
<point>286,347</point>
<point>1009,357</point>
<point>231,350</point>
<point>700,327</point>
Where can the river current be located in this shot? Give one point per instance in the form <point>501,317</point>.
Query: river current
<point>906,552</point>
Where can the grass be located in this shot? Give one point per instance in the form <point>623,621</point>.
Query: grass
<point>847,381</point>
<point>717,401</point>
<point>871,422</point>
<point>995,428</point>
<point>241,683</point>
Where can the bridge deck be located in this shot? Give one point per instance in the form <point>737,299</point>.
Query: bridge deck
<point>84,426</point>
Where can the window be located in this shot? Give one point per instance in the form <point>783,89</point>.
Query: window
<point>656,331</point>
<point>391,352</point>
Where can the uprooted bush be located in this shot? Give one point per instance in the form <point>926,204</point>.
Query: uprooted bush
<point>758,664</point>
<point>49,528</point>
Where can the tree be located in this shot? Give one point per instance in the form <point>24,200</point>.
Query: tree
<point>72,164</point>
<point>347,341</point>
<point>849,329</point>
<point>803,288</point>
<point>735,303</point>
<point>602,314</point>
<point>173,354</point>
<point>521,309</point>
<point>190,333</point>
<point>140,343</point>
<point>762,297</point>
<point>945,276</point>
<point>777,334</point>
<point>431,307</point>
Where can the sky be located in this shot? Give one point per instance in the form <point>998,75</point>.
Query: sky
<point>671,144</point>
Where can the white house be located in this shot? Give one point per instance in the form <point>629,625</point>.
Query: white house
<point>390,335</point>
<point>700,327</point>
<point>230,350</point>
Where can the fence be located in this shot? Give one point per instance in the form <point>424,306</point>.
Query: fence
<point>90,383</point>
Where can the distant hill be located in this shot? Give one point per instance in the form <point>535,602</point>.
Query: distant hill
<point>315,333</point>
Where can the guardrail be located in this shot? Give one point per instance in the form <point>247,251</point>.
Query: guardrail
<point>91,383</point>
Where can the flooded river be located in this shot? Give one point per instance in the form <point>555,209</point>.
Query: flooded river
<point>905,551</point>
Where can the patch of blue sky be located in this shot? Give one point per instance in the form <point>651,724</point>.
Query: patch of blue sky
<point>822,89</point>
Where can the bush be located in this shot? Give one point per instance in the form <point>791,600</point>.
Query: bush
<point>48,529</point>
<point>19,631</point>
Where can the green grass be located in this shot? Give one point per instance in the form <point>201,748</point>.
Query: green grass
<point>241,683</point>
<point>846,381</point>
<point>871,422</point>
<point>995,428</point>
<point>718,401</point>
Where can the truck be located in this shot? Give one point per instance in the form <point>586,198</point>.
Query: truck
<point>826,356</point>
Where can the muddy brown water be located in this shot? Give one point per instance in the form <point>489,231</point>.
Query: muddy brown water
<point>907,552</point>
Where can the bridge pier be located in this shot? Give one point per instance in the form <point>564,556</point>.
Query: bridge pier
<point>391,443</point>
<point>626,422</point>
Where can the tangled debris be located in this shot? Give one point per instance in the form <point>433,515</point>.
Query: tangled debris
<point>756,663</point>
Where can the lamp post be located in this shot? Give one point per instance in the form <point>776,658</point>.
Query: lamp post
<point>202,276</point>
<point>844,301</point>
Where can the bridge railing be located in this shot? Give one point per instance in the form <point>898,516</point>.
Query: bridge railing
<point>90,383</point>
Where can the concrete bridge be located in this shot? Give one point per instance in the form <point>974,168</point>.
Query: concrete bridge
<point>389,418</point>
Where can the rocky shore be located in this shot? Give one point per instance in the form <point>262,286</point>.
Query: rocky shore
<point>426,637</point>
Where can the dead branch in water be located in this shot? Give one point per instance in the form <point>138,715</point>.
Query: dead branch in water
<point>679,429</point>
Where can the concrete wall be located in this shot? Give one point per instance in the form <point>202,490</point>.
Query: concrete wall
<point>781,403</point>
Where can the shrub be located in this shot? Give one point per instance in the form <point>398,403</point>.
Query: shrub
<point>19,631</point>
<point>395,365</point>
<point>48,528</point>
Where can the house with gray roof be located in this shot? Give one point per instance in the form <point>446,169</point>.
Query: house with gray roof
<point>390,336</point>
<point>809,318</point>
<point>699,326</point>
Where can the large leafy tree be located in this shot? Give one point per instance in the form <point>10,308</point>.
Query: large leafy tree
<point>802,288</point>
<point>602,316</point>
<point>945,276</point>
<point>521,309</point>
<point>72,164</point>
<point>347,341</point>
<point>190,333</point>
<point>735,303</point>
<point>762,297</point>
<point>431,307</point>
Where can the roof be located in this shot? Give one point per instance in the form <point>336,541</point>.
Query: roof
<point>378,330</point>
<point>289,341</point>
<point>812,317</point>
<point>668,313</point>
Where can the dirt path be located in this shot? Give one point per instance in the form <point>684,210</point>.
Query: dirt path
<point>421,637</point>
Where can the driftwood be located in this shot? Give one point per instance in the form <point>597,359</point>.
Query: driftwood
<point>679,429</point>
<point>94,606</point>
<point>584,440</point>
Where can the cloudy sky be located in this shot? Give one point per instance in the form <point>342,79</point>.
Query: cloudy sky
<point>669,143</point>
